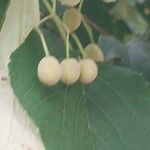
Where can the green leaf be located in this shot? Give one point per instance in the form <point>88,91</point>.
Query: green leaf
<point>112,113</point>
<point>3,7</point>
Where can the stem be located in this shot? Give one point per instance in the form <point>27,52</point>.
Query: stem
<point>63,28</point>
<point>55,19</point>
<point>45,19</point>
<point>95,27</point>
<point>88,29</point>
<point>67,45</point>
<point>80,5</point>
<point>50,10</point>
<point>21,11</point>
<point>54,6</point>
<point>41,35</point>
<point>51,15</point>
<point>75,37</point>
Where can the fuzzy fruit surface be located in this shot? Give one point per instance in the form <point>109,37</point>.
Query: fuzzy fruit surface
<point>49,70</point>
<point>89,71</point>
<point>70,3</point>
<point>71,69</point>
<point>72,18</point>
<point>94,52</point>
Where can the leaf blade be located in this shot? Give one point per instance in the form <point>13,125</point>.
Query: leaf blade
<point>112,113</point>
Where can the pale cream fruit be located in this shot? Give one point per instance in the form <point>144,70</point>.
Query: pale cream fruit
<point>70,3</point>
<point>94,52</point>
<point>89,71</point>
<point>72,19</point>
<point>49,71</point>
<point>70,70</point>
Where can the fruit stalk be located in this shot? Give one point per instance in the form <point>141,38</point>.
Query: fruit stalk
<point>41,35</point>
<point>62,28</point>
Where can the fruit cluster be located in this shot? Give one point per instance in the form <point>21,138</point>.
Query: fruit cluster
<point>70,70</point>
<point>50,71</point>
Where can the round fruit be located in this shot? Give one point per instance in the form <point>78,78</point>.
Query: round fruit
<point>49,71</point>
<point>89,71</point>
<point>70,3</point>
<point>70,70</point>
<point>72,18</point>
<point>94,52</point>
